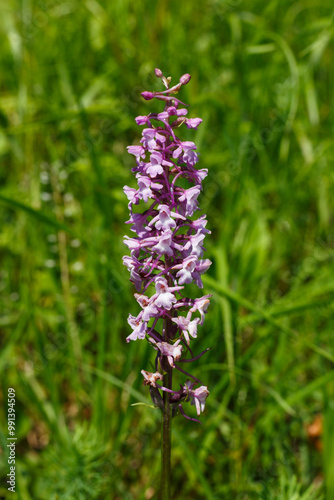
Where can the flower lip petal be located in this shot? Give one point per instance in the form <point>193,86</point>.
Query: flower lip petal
<point>193,122</point>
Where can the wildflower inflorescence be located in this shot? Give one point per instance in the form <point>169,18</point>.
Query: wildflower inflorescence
<point>168,249</point>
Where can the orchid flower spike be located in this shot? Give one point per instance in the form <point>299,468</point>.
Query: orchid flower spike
<point>166,253</point>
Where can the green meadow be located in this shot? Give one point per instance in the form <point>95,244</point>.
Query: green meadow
<point>70,82</point>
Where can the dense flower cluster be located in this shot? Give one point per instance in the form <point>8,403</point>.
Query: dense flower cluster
<point>167,251</point>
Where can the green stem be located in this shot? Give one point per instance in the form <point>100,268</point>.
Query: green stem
<point>166,431</point>
<point>166,439</point>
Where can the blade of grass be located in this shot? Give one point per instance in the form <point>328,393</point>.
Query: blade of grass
<point>226,312</point>
<point>117,383</point>
<point>37,214</point>
<point>193,465</point>
<point>281,311</point>
<point>238,299</point>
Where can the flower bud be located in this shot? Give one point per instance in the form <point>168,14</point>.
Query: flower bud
<point>158,73</point>
<point>147,95</point>
<point>185,79</point>
<point>178,122</point>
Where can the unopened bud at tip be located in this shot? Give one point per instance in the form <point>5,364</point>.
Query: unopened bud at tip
<point>185,79</point>
<point>147,95</point>
<point>158,73</point>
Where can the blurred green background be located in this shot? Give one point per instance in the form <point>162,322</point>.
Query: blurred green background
<point>262,80</point>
